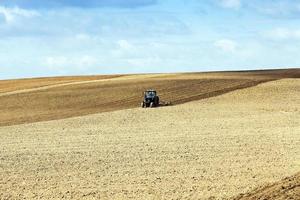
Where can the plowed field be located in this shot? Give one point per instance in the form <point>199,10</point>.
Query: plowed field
<point>33,100</point>
<point>237,144</point>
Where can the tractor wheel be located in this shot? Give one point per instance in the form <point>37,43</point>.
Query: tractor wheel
<point>142,105</point>
<point>151,105</point>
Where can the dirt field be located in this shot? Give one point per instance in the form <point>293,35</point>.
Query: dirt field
<point>209,149</point>
<point>33,100</point>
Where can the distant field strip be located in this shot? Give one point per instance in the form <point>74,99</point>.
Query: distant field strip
<point>22,84</point>
<point>47,87</point>
<point>68,83</point>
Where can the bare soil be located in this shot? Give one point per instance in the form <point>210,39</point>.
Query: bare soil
<point>34,100</point>
<point>215,148</point>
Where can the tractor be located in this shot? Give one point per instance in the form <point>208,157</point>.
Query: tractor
<point>150,99</point>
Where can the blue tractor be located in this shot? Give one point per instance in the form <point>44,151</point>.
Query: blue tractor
<point>150,99</point>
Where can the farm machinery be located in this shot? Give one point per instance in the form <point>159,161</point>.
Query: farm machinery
<point>151,99</point>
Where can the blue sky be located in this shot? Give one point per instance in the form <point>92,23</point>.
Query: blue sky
<point>80,37</point>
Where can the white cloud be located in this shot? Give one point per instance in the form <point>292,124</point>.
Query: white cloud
<point>87,61</point>
<point>277,7</point>
<point>10,14</point>
<point>230,3</point>
<point>145,62</point>
<point>83,37</point>
<point>226,45</point>
<point>282,34</point>
<point>63,62</point>
<point>124,44</point>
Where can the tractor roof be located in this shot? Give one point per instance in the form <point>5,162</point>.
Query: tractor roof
<point>150,90</point>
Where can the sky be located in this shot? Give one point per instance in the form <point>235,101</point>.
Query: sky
<point>83,37</point>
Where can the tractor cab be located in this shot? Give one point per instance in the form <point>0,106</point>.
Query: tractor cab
<point>150,94</point>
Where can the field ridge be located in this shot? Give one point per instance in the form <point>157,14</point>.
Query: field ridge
<point>288,188</point>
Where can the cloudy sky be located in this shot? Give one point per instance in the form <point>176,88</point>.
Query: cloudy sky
<point>71,37</point>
